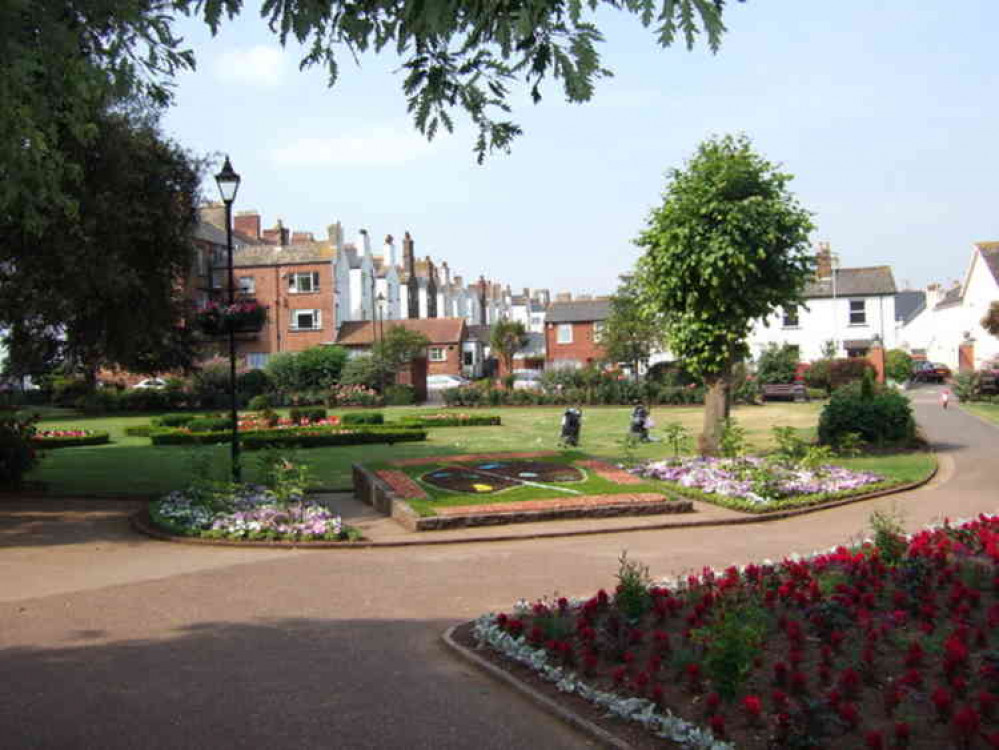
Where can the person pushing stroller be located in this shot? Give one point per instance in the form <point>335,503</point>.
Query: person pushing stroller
<point>572,423</point>
<point>641,423</point>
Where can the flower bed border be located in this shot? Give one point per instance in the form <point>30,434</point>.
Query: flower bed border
<point>475,420</point>
<point>302,437</point>
<point>48,443</point>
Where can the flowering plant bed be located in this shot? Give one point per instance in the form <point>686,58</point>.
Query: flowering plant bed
<point>452,420</point>
<point>759,485</point>
<point>216,319</point>
<point>302,437</point>
<point>888,645</point>
<point>68,438</point>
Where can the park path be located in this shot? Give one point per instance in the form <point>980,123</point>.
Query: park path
<point>111,641</point>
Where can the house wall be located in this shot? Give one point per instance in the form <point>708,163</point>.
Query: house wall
<point>271,289</point>
<point>582,351</point>
<point>827,319</point>
<point>452,363</point>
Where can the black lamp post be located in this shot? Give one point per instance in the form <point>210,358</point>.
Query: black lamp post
<point>228,182</point>
<point>380,331</point>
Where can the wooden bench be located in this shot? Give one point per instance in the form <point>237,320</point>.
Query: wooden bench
<point>988,382</point>
<point>793,391</point>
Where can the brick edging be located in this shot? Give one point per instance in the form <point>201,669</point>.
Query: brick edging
<point>574,720</point>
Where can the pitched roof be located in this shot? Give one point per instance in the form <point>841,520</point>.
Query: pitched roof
<point>579,311</point>
<point>854,282</point>
<point>273,255</point>
<point>951,297</point>
<point>990,254</point>
<point>480,333</point>
<point>908,304</point>
<point>438,330</point>
<point>204,230</point>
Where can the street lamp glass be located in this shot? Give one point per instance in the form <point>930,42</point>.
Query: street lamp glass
<point>228,182</point>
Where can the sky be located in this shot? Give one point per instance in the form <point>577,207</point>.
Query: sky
<point>885,112</point>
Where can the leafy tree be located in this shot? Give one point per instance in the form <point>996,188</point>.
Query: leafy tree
<point>398,347</point>
<point>991,320</point>
<point>629,334</point>
<point>506,339</point>
<point>103,286</point>
<point>898,365</point>
<point>312,369</point>
<point>777,364</point>
<point>362,370</point>
<point>728,246</point>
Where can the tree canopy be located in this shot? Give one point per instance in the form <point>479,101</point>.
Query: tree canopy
<point>990,322</point>
<point>728,246</point>
<point>506,339</point>
<point>629,334</point>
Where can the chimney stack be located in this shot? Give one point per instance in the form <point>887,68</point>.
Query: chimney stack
<point>335,233</point>
<point>388,252</point>
<point>482,300</point>
<point>447,273</point>
<point>364,242</point>
<point>248,223</point>
<point>407,254</point>
<point>824,262</point>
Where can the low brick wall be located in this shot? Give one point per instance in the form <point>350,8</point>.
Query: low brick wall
<point>374,490</point>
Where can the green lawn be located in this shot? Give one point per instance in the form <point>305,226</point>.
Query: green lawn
<point>986,411</point>
<point>132,466</point>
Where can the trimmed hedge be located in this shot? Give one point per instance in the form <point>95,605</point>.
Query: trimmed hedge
<point>209,424</point>
<point>449,420</point>
<point>139,430</point>
<point>299,414</point>
<point>301,437</point>
<point>884,417</point>
<point>176,420</point>
<point>95,438</point>
<point>363,417</point>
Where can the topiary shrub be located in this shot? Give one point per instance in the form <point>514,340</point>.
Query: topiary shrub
<point>262,402</point>
<point>883,418</point>
<point>363,417</point>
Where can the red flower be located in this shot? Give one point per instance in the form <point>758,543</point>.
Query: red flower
<point>848,712</point>
<point>942,703</point>
<point>713,701</point>
<point>874,740</point>
<point>966,723</point>
<point>902,732</point>
<point>753,706</point>
<point>717,724</point>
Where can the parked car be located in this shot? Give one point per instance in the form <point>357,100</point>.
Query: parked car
<point>930,372</point>
<point>527,380</point>
<point>442,382</point>
<point>150,384</point>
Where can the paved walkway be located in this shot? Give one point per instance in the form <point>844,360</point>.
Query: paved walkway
<point>108,640</point>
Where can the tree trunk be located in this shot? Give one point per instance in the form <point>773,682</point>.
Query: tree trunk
<point>709,441</point>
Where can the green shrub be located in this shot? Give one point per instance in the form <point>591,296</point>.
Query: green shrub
<point>261,402</point>
<point>777,364</point>
<point>845,371</point>
<point>300,437</point>
<point>307,414</point>
<point>885,417</point>
<point>139,430</point>
<point>253,383</point>
<point>93,438</point>
<point>66,390</point>
<point>966,386</point>
<point>175,420</point>
<point>400,395</point>
<point>209,424</point>
<point>898,365</point>
<point>817,376</point>
<point>452,420</point>
<point>363,417</point>
<point>17,454</point>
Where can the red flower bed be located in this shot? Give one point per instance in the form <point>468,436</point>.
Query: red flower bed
<point>855,648</point>
<point>402,484</point>
<point>609,472</point>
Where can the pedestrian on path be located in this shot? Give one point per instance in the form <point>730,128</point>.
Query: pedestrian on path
<point>944,398</point>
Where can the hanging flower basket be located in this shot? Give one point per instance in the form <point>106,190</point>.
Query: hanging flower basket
<point>245,316</point>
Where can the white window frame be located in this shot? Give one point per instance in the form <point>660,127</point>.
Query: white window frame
<point>317,320</point>
<point>247,284</point>
<point>295,282</point>
<point>862,312</point>
<point>563,333</point>
<point>437,354</point>
<point>790,318</point>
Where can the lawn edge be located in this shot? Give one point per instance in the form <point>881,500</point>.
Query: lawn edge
<point>574,720</point>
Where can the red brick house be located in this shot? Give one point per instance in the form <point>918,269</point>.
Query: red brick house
<point>446,335</point>
<point>572,330</point>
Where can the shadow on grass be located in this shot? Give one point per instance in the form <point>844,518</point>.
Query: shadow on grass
<point>280,683</point>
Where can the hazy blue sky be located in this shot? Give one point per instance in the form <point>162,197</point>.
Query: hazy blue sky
<point>886,112</point>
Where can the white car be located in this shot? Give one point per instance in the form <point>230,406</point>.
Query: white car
<point>443,382</point>
<point>150,384</point>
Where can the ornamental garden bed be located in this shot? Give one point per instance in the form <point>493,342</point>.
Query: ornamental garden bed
<point>69,438</point>
<point>452,420</point>
<point>892,644</point>
<point>292,436</point>
<point>441,492</point>
<point>756,484</point>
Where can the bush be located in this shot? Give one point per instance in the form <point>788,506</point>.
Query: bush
<point>17,454</point>
<point>885,417</point>
<point>452,420</point>
<point>898,365</point>
<point>817,376</point>
<point>845,371</point>
<point>363,371</point>
<point>262,402</point>
<point>307,414</point>
<point>301,437</point>
<point>139,430</point>
<point>69,441</point>
<point>313,369</point>
<point>352,395</point>
<point>966,386</point>
<point>777,364</point>
<point>66,390</point>
<point>253,383</point>
<point>209,424</point>
<point>173,420</point>
<point>400,395</point>
<point>363,417</point>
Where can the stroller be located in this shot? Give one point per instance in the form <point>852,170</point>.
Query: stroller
<point>640,423</point>
<point>572,422</point>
